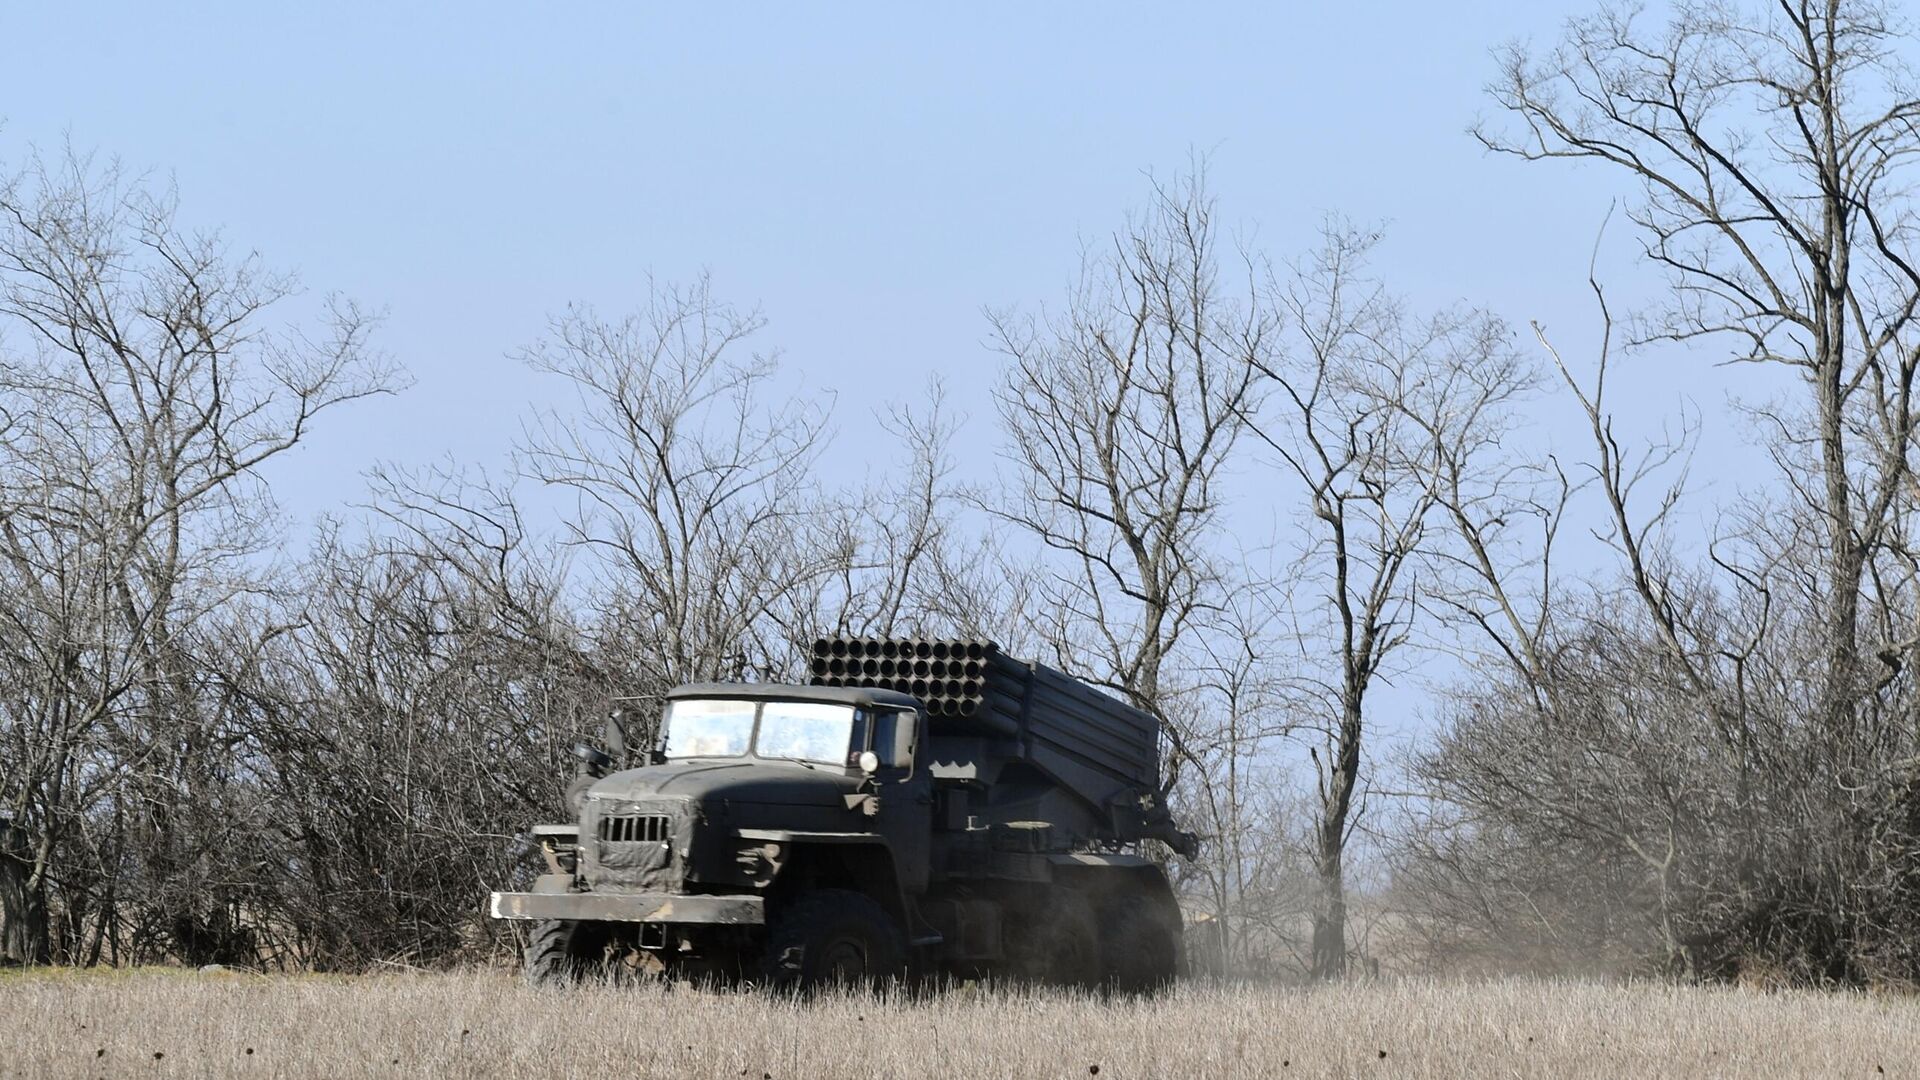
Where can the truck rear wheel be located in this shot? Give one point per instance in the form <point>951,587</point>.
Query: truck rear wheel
<point>1059,943</point>
<point>1139,951</point>
<point>833,937</point>
<point>561,952</point>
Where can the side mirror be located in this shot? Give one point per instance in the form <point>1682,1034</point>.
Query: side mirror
<point>906,737</point>
<point>593,761</point>
<point>615,735</point>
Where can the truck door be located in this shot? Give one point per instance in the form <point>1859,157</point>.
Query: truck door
<point>906,795</point>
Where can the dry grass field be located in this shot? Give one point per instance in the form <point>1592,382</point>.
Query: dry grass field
<point>161,1024</point>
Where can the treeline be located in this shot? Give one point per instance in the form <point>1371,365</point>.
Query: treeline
<point>223,747</point>
<point>1244,493</point>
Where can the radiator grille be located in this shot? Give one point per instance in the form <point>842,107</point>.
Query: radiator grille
<point>635,828</point>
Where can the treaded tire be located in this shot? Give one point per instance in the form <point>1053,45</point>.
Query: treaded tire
<point>833,937</point>
<point>564,952</point>
<point>1139,951</point>
<point>1059,942</point>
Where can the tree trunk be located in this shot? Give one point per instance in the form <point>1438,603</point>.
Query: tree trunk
<point>1330,914</point>
<point>1846,559</point>
<point>1330,927</point>
<point>23,914</point>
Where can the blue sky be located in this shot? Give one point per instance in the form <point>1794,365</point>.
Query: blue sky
<point>871,175</point>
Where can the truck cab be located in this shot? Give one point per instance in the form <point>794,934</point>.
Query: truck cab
<point>758,795</point>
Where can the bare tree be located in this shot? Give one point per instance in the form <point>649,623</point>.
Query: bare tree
<point>697,500</point>
<point>1122,412</point>
<point>1771,152</point>
<point>144,382</point>
<point>1723,753</point>
<point>1663,808</point>
<point>1374,410</point>
<point>910,566</point>
<point>413,715</point>
<point>1251,886</point>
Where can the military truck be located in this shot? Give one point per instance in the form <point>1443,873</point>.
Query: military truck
<point>923,807</point>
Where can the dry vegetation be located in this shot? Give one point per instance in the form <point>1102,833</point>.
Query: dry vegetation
<point>486,1024</point>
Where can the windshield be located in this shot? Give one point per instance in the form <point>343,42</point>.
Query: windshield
<point>801,730</point>
<point>807,731</point>
<point>708,728</point>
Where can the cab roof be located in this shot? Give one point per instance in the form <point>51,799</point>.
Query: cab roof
<point>865,697</point>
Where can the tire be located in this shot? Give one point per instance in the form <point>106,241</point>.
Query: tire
<point>1058,943</point>
<point>1139,950</point>
<point>563,952</point>
<point>833,937</point>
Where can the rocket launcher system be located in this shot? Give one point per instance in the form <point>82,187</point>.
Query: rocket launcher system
<point>1001,721</point>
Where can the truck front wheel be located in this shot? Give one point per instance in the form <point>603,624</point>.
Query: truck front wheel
<point>561,952</point>
<point>833,937</point>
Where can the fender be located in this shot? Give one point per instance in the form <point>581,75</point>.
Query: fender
<point>789,836</point>
<point>1087,870</point>
<point>1090,858</point>
<point>880,878</point>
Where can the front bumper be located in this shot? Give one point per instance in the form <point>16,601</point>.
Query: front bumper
<point>631,907</point>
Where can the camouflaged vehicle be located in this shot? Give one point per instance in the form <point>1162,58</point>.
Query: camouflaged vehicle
<point>923,808</point>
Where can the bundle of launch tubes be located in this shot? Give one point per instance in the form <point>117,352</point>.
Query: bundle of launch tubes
<point>970,685</point>
<point>950,677</point>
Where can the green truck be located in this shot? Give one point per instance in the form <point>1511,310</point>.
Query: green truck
<point>924,807</point>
